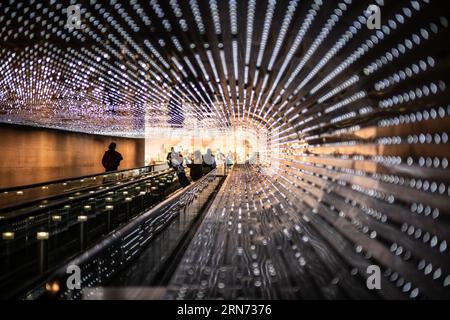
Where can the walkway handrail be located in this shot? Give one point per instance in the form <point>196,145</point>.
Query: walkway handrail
<point>35,201</point>
<point>55,205</point>
<point>45,183</point>
<point>116,236</point>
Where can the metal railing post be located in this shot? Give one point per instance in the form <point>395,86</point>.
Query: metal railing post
<point>83,231</point>
<point>8,238</point>
<point>42,238</point>
<point>109,208</point>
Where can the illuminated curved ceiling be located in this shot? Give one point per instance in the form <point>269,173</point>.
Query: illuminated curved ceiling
<point>207,63</point>
<point>358,119</point>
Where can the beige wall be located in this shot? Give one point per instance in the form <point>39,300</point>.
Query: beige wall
<point>30,155</point>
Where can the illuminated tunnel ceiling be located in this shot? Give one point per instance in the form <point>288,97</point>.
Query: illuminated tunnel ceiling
<point>301,67</point>
<point>358,119</point>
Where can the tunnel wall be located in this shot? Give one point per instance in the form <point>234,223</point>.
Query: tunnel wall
<point>31,155</point>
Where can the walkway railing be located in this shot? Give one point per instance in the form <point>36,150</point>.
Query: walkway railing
<point>12,198</point>
<point>157,232</point>
<point>37,239</point>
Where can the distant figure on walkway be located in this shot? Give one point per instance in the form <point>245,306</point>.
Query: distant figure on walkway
<point>152,164</point>
<point>177,164</point>
<point>209,162</point>
<point>196,166</point>
<point>169,157</point>
<point>111,158</point>
<point>229,159</point>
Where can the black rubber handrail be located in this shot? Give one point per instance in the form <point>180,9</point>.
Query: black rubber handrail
<point>29,203</point>
<point>131,225</point>
<point>45,183</point>
<point>166,272</point>
<point>118,234</point>
<point>56,205</point>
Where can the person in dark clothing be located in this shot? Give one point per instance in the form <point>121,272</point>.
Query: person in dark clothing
<point>209,162</point>
<point>169,157</point>
<point>177,164</point>
<point>196,167</point>
<point>111,158</point>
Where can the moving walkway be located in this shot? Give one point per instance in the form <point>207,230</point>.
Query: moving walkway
<point>61,219</point>
<point>245,235</point>
<point>264,238</point>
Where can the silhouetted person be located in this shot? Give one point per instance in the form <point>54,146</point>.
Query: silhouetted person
<point>209,162</point>
<point>111,158</point>
<point>177,164</point>
<point>196,166</point>
<point>152,165</point>
<point>229,159</point>
<point>169,157</point>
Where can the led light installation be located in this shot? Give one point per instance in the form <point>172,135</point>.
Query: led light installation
<point>357,119</point>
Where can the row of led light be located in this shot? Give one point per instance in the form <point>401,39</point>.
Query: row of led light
<point>292,50</point>
<point>429,162</point>
<point>200,25</point>
<point>411,95</point>
<point>406,286</point>
<point>365,47</point>
<point>234,30</point>
<point>11,13</point>
<point>393,179</point>
<point>323,34</point>
<point>278,44</point>
<point>262,47</point>
<point>408,72</point>
<point>430,114</point>
<point>357,96</point>
<point>403,47</point>
<point>353,29</point>
<point>427,138</point>
<point>433,114</point>
<point>344,85</point>
<point>198,20</point>
<point>249,38</point>
<point>298,39</point>
<point>234,47</point>
<point>160,13</point>
<point>343,117</point>
<point>360,51</point>
<point>438,139</point>
<point>315,45</point>
<point>249,32</point>
<point>26,56</point>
